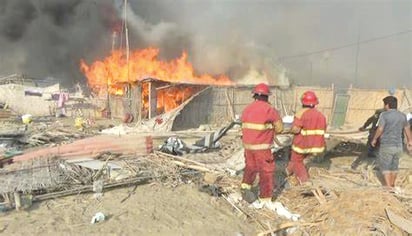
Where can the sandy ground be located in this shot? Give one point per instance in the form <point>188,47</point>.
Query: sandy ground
<point>154,209</point>
<point>151,210</point>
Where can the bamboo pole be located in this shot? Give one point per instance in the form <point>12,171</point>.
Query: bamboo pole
<point>230,105</point>
<point>283,226</point>
<point>181,162</point>
<point>89,188</point>
<point>17,200</point>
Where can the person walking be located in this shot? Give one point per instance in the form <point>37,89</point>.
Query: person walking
<point>392,125</point>
<point>372,121</point>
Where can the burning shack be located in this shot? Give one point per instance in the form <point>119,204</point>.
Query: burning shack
<point>144,86</point>
<point>147,98</point>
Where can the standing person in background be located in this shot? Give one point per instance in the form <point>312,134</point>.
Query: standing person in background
<point>309,127</point>
<point>391,126</point>
<point>260,123</point>
<point>373,122</point>
<point>61,104</point>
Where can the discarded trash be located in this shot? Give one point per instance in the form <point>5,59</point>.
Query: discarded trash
<point>26,119</point>
<point>276,207</point>
<point>11,153</point>
<point>98,217</point>
<point>283,211</point>
<point>175,146</point>
<point>79,122</point>
<point>118,130</point>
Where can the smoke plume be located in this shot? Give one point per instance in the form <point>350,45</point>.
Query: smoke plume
<point>49,37</point>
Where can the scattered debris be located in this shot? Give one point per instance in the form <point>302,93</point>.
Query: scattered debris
<point>49,157</point>
<point>98,217</point>
<point>399,221</point>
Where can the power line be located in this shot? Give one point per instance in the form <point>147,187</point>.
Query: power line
<point>345,45</point>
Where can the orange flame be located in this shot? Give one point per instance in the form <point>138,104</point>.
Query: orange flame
<point>109,74</point>
<point>143,64</point>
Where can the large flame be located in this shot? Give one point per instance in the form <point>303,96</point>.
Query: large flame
<point>110,72</point>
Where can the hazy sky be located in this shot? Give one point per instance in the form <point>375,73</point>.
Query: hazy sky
<point>48,37</point>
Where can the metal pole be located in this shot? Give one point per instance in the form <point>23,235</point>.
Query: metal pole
<point>357,55</point>
<point>128,90</point>
<point>127,38</point>
<point>311,71</point>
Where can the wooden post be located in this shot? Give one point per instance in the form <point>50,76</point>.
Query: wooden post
<point>134,101</point>
<point>152,99</point>
<point>139,102</point>
<point>17,200</point>
<point>295,95</point>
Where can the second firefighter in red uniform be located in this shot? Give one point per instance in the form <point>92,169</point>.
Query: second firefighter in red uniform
<point>309,127</point>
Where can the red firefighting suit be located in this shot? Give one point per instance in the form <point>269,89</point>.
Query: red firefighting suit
<point>260,122</point>
<point>310,140</point>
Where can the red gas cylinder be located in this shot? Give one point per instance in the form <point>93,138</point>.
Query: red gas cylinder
<point>149,144</point>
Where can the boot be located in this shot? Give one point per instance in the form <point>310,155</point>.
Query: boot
<point>248,195</point>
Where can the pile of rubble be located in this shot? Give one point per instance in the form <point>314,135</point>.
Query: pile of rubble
<point>53,157</point>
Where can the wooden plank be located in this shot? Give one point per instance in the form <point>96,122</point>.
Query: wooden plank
<point>230,107</point>
<point>407,96</point>
<point>283,226</point>
<point>184,162</point>
<point>89,188</point>
<point>399,221</point>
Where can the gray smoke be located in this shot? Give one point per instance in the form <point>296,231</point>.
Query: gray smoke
<point>230,36</point>
<point>49,37</point>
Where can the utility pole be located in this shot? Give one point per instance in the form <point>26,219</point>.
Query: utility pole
<point>128,85</point>
<point>357,55</point>
<point>311,71</point>
<point>127,38</point>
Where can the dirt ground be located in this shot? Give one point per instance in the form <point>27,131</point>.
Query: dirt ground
<point>355,204</point>
<point>152,210</point>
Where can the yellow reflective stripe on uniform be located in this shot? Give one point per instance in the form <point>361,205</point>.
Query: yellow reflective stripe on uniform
<point>257,126</point>
<point>261,146</point>
<point>312,132</point>
<point>308,150</point>
<point>245,186</point>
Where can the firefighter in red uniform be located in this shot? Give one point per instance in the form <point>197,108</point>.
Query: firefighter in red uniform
<point>309,127</point>
<point>260,123</point>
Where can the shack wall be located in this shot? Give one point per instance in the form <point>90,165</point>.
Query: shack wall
<point>219,105</point>
<point>13,95</point>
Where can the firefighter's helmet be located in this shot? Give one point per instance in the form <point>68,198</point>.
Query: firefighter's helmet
<point>309,99</point>
<point>261,89</point>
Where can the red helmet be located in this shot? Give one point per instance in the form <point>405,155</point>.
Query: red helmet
<point>309,99</point>
<point>261,89</point>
